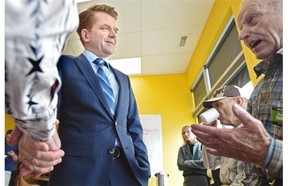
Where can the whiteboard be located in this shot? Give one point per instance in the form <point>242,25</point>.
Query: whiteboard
<point>152,130</point>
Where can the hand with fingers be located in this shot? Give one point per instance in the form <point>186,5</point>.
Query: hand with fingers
<point>13,155</point>
<point>37,157</point>
<point>248,143</point>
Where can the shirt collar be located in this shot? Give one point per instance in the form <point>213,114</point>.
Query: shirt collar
<point>91,57</point>
<point>263,66</point>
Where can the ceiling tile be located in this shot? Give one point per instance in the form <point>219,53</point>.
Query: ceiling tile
<point>152,29</point>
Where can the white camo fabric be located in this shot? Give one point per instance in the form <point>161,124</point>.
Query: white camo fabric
<point>35,36</point>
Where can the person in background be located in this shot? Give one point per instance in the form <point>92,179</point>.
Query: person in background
<point>35,36</point>
<point>10,157</point>
<point>212,162</point>
<point>99,128</point>
<point>190,160</point>
<point>260,139</point>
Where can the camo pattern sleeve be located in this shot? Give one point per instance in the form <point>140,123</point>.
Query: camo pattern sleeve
<point>35,36</point>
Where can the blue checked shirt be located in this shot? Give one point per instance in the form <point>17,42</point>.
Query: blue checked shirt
<point>266,104</point>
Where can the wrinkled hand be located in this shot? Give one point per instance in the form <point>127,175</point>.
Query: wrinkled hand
<point>37,157</point>
<point>248,143</point>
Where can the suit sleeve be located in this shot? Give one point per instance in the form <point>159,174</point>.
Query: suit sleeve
<point>180,159</point>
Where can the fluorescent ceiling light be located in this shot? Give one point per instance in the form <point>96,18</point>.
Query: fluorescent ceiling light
<point>128,66</point>
<point>81,1</point>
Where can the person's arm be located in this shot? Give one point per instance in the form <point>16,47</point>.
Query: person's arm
<point>34,40</point>
<point>180,159</point>
<point>37,157</point>
<point>194,162</point>
<point>184,164</point>
<point>274,158</point>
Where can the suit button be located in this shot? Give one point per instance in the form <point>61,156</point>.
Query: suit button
<point>115,152</point>
<point>116,123</point>
<point>111,151</point>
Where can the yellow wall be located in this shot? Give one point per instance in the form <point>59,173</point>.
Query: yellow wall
<point>9,123</point>
<point>168,96</point>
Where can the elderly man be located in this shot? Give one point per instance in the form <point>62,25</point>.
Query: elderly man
<point>232,171</point>
<point>259,140</point>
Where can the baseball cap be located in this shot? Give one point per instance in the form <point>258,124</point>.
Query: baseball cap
<point>223,92</point>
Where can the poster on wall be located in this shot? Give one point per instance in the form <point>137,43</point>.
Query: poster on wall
<point>152,129</point>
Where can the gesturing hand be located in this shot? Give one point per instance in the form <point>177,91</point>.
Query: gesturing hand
<point>248,143</point>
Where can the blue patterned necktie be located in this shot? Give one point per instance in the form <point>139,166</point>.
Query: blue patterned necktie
<point>106,87</point>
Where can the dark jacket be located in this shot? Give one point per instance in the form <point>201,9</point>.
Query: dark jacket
<point>88,130</point>
<point>195,165</point>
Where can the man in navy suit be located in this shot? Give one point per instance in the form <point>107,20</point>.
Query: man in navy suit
<point>102,145</point>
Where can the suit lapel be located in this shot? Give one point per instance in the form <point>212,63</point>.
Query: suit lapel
<point>92,79</point>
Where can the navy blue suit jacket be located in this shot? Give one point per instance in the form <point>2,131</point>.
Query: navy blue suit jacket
<point>88,130</point>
